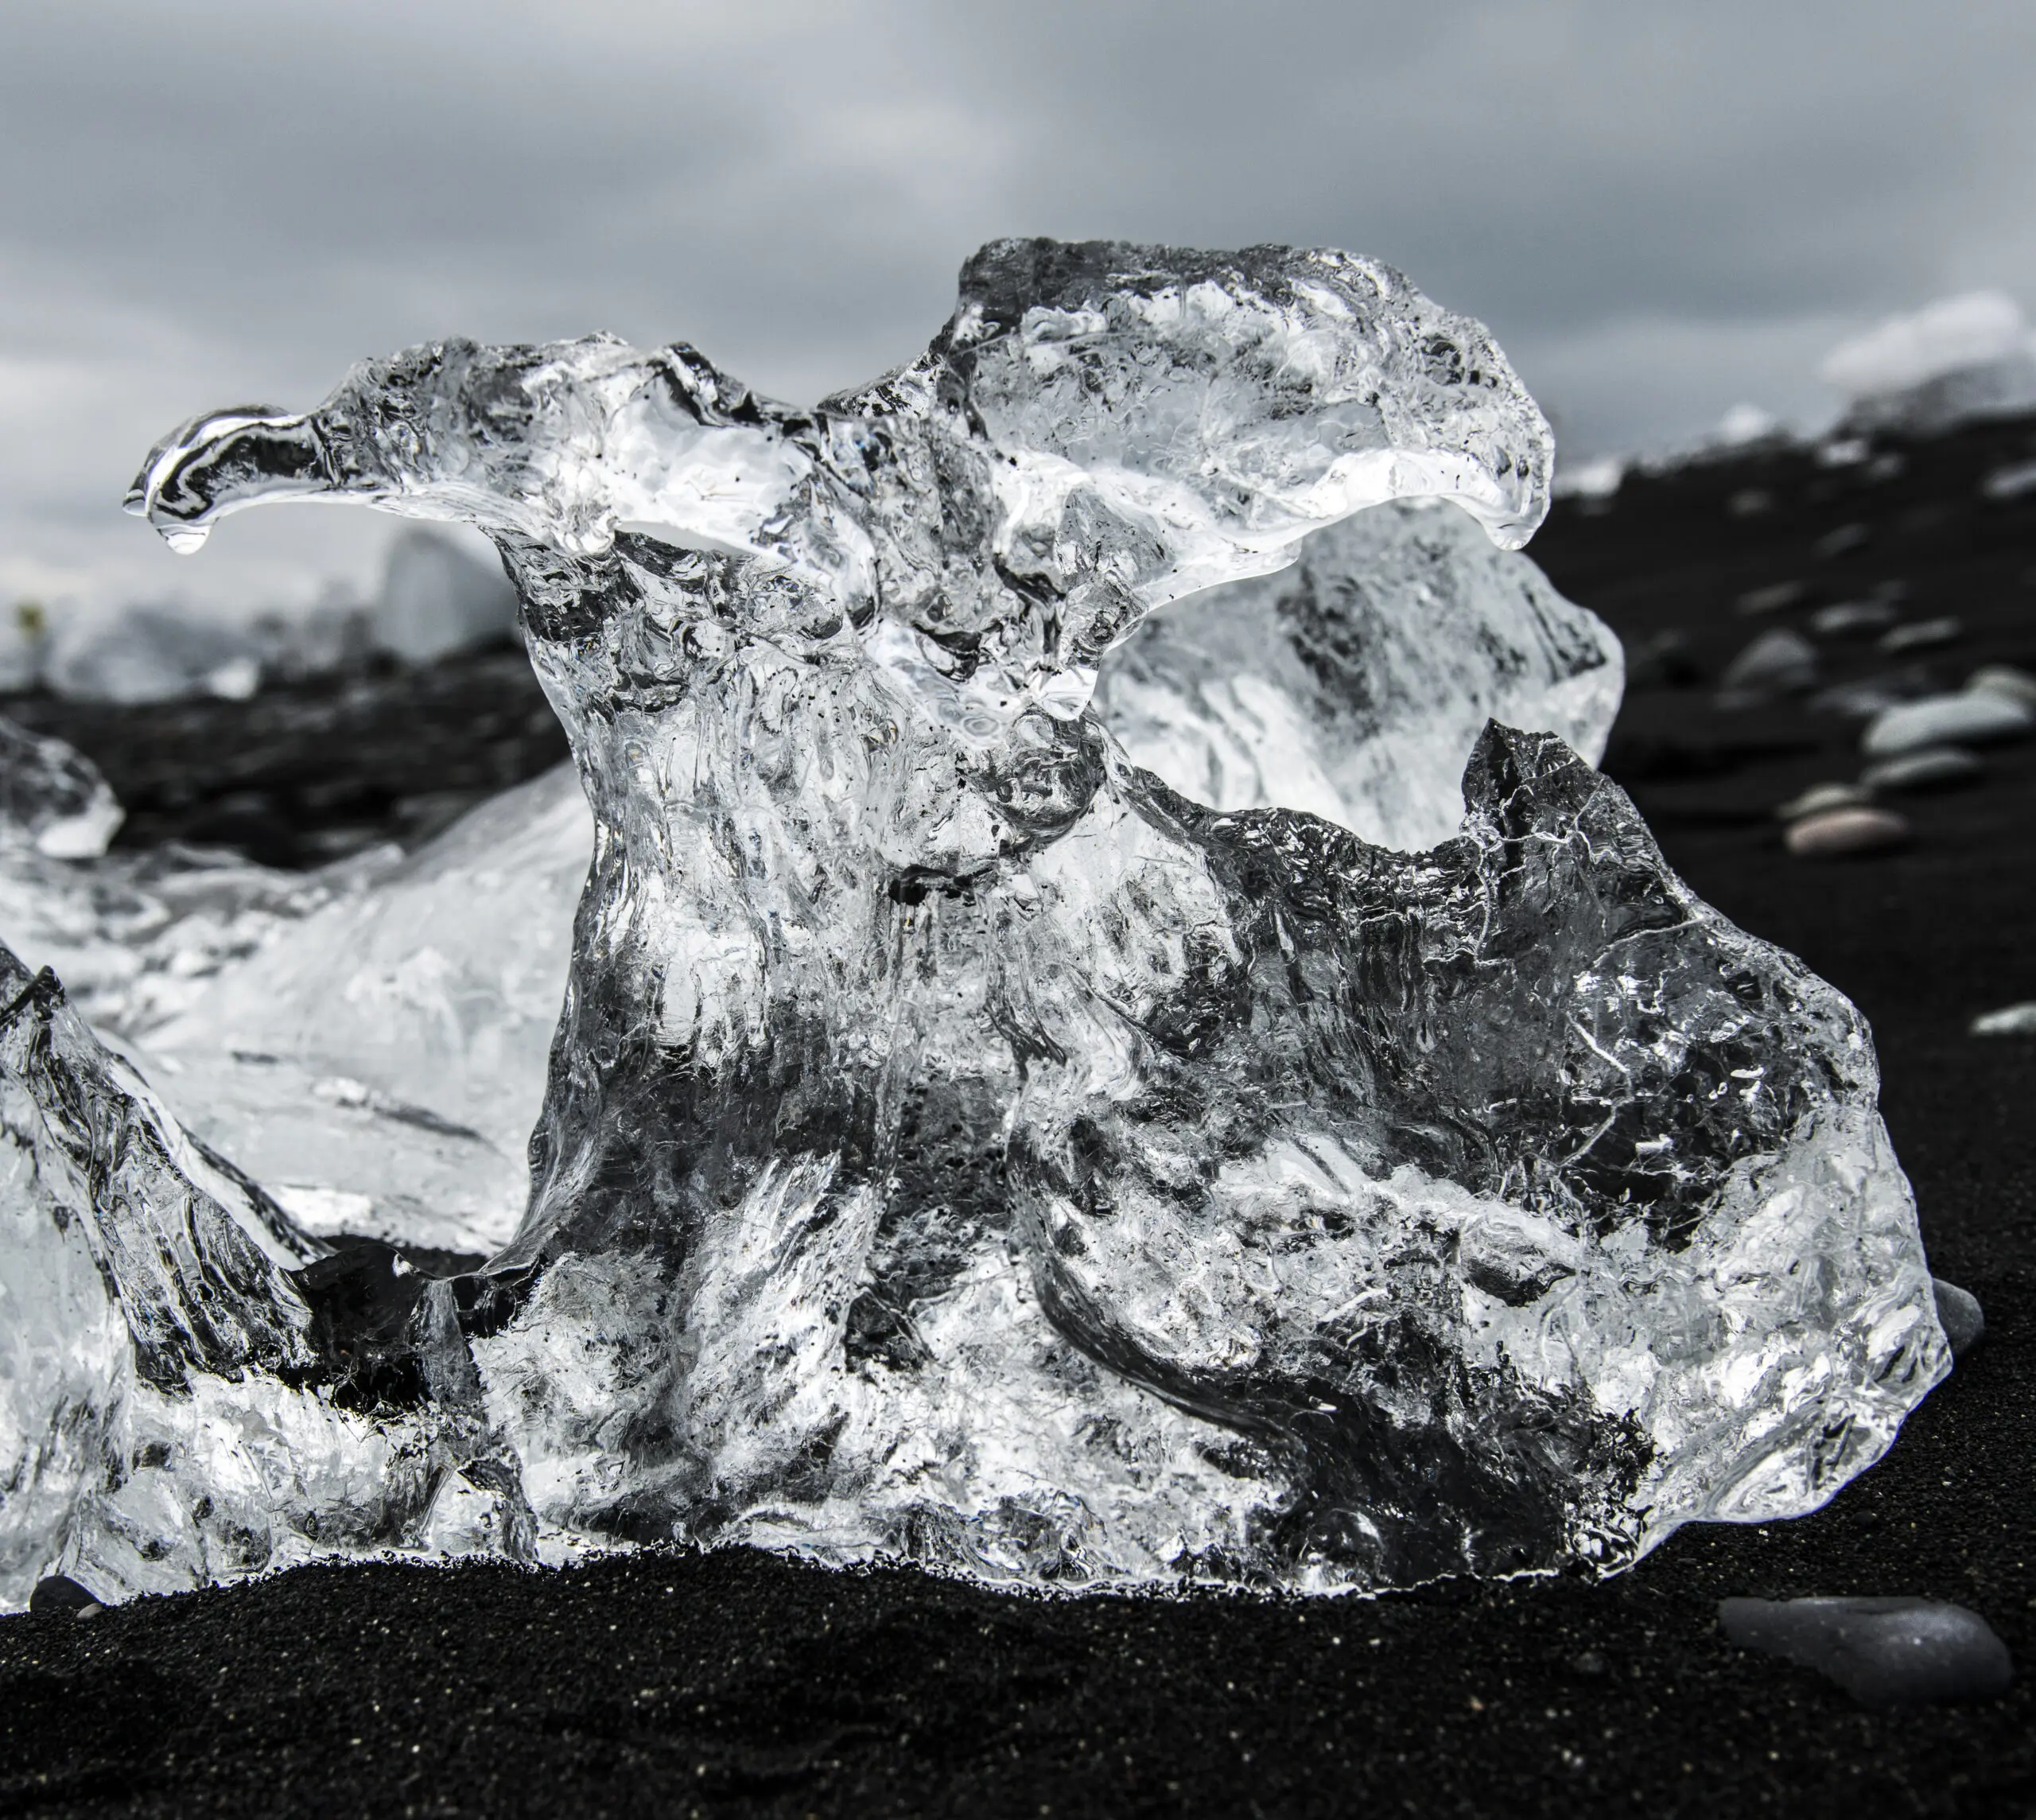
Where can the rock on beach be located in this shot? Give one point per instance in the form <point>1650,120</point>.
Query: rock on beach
<point>1977,717</point>
<point>1932,768</point>
<point>1844,834</point>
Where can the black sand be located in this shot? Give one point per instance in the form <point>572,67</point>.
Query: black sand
<point>739,1684</point>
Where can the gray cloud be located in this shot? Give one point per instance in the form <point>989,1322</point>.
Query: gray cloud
<point>1660,210</point>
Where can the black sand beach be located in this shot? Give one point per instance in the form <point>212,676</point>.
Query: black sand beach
<point>739,1684</point>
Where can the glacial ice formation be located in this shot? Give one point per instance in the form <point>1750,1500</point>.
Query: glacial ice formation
<point>956,1142</point>
<point>371,1041</point>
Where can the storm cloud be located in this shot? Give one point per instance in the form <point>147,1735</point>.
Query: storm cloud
<point>1660,210</point>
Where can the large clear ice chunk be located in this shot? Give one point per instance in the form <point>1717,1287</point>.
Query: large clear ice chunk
<point>958,1142</point>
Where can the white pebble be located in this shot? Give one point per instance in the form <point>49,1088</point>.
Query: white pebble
<point>2003,679</point>
<point>1976,717</point>
<point>2010,1021</point>
<point>1932,768</point>
<point>1820,797</point>
<point>1838,833</point>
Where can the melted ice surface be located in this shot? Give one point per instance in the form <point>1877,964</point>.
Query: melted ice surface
<point>957,1141</point>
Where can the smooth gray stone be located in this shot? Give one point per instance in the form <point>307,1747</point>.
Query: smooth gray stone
<point>1780,661</point>
<point>1775,597</point>
<point>1934,767</point>
<point>1922,635</point>
<point>1844,834</point>
<point>1883,1652</point>
<point>1852,619</point>
<point>1959,1315</point>
<point>2003,679</point>
<point>1973,718</point>
<point>1820,799</point>
<point>2010,1021</point>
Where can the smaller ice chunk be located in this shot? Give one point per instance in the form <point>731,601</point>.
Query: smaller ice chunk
<point>1963,356</point>
<point>152,654</point>
<point>438,599</point>
<point>1597,478</point>
<point>172,1342</point>
<point>1743,424</point>
<point>52,797</point>
<point>138,937</point>
<point>380,1065</point>
<point>1353,685</point>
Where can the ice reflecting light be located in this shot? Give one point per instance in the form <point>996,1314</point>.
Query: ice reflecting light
<point>1277,1120</point>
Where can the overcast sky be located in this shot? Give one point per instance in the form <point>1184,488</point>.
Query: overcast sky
<point>1661,209</point>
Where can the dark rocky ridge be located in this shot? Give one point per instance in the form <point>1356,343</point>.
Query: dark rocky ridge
<point>743,1684</point>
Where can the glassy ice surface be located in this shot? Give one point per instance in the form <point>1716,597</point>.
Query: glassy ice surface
<point>1354,684</point>
<point>51,798</point>
<point>138,938</point>
<point>956,1142</point>
<point>379,1064</point>
<point>371,1040</point>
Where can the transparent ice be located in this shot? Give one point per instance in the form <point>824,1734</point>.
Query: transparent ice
<point>956,1142</point>
<point>53,799</point>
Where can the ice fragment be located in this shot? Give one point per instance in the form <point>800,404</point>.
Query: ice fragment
<point>1977,717</point>
<point>52,797</point>
<point>958,1143</point>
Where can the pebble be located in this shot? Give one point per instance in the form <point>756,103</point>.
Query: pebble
<point>1841,833</point>
<point>1851,618</point>
<point>2003,679</point>
<point>1922,635</point>
<point>1883,1652</point>
<point>1776,663</point>
<point>1778,597</point>
<point>58,1594</point>
<point>1934,767</point>
<point>1820,797</point>
<point>2011,483</point>
<point>1976,717</point>
<point>2010,1021</point>
<point>1862,699</point>
<point>1959,1315</point>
